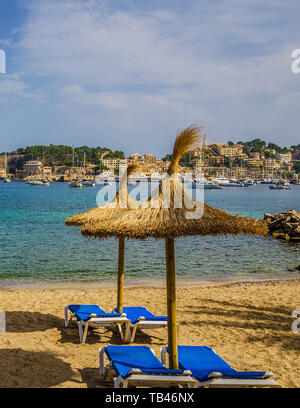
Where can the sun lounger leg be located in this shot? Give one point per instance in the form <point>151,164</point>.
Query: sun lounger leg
<point>66,316</point>
<point>101,361</point>
<point>80,331</point>
<point>133,333</point>
<point>120,331</point>
<point>118,381</point>
<point>127,332</point>
<point>85,332</point>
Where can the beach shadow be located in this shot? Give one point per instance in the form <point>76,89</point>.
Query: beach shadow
<point>95,335</point>
<point>103,336</point>
<point>29,369</point>
<point>25,322</point>
<point>90,376</point>
<point>141,337</point>
<point>263,320</point>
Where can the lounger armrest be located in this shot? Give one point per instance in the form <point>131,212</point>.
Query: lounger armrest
<point>215,374</point>
<point>268,374</point>
<point>141,318</point>
<point>135,371</point>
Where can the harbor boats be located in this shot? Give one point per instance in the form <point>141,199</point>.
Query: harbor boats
<point>7,180</point>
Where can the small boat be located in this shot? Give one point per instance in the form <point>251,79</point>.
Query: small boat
<point>75,184</point>
<point>221,180</point>
<point>88,183</point>
<point>280,186</point>
<point>7,180</point>
<point>207,185</point>
<point>234,184</point>
<point>248,183</point>
<point>38,182</point>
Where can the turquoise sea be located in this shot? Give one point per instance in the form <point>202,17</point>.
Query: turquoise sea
<point>36,246</point>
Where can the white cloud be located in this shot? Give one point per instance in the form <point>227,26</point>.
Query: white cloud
<point>11,85</point>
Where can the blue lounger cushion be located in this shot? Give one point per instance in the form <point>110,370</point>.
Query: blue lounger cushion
<point>134,313</point>
<point>126,358</point>
<point>83,312</point>
<point>202,361</point>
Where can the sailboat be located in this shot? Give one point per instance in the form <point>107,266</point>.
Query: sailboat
<point>74,183</point>
<point>86,182</point>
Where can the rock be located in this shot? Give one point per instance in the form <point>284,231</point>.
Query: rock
<point>284,225</point>
<point>269,216</point>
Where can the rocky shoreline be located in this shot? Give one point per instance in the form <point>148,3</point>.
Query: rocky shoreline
<point>285,225</point>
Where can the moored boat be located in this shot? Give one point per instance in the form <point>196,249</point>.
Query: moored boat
<point>75,184</point>
<point>280,186</point>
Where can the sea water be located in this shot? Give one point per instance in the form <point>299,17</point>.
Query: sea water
<point>36,246</point>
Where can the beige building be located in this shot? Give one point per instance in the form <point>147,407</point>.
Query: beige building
<point>230,151</point>
<point>271,163</point>
<point>33,168</point>
<point>284,157</point>
<point>114,164</point>
<point>149,158</point>
<point>254,162</point>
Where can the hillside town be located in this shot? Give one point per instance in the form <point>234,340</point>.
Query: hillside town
<point>248,160</point>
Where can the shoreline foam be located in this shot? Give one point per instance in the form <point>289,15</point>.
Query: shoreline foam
<point>154,283</point>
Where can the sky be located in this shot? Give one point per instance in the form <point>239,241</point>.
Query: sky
<point>130,74</point>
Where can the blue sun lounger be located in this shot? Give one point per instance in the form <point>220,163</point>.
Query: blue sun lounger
<point>140,317</point>
<point>138,365</point>
<point>93,316</point>
<point>210,370</point>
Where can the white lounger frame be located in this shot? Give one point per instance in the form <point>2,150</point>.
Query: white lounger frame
<point>138,378</point>
<point>143,323</point>
<point>96,321</point>
<point>216,380</point>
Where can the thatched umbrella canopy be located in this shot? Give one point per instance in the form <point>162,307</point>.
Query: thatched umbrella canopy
<point>168,214</point>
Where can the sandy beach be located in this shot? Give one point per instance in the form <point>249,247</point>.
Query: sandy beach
<point>248,324</point>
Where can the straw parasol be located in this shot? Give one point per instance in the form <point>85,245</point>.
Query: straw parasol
<point>169,213</point>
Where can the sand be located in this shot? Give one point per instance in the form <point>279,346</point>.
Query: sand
<point>248,324</point>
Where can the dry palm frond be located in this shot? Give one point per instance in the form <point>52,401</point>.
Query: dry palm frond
<point>185,140</point>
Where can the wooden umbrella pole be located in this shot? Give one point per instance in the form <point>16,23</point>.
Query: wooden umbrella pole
<point>121,275</point>
<point>171,302</point>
